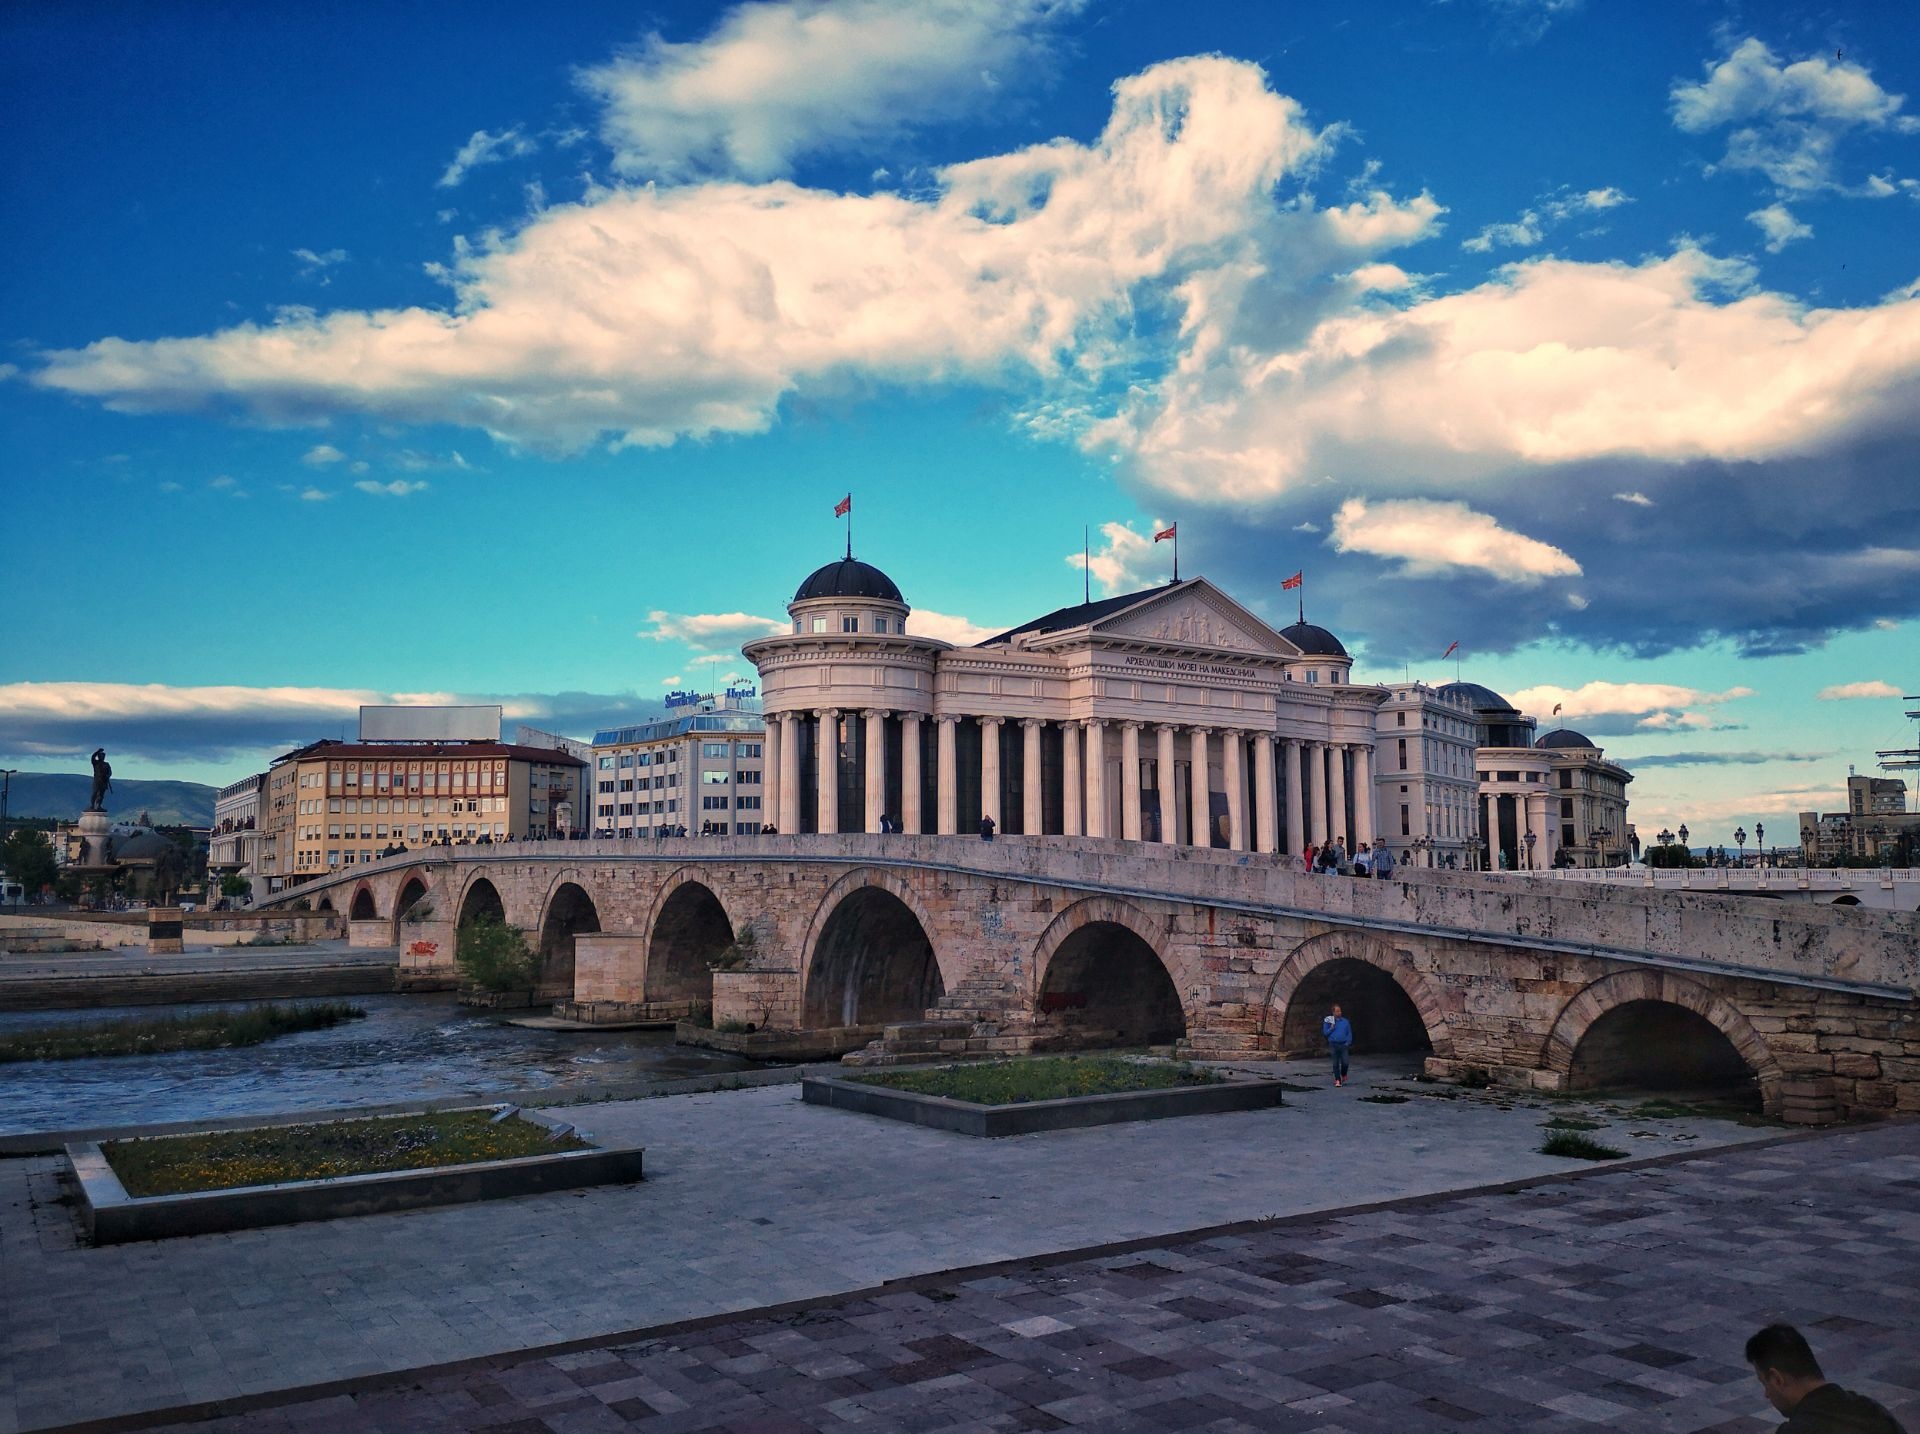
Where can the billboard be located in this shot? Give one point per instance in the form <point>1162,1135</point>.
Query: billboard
<point>430,724</point>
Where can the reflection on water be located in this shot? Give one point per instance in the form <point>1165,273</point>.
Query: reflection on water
<point>408,1047</point>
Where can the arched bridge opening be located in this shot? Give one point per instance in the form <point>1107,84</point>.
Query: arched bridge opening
<point>411,895</point>
<point>363,907</point>
<point>1107,988</point>
<point>1384,1018</point>
<point>690,932</point>
<point>873,964</point>
<point>1657,1045</point>
<point>482,900</point>
<point>570,913</point>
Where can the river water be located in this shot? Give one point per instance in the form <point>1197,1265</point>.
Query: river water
<point>408,1047</point>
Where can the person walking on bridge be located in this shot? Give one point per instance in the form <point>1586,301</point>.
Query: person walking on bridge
<point>1339,1033</point>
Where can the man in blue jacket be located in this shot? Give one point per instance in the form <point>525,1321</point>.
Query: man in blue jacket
<point>1339,1033</point>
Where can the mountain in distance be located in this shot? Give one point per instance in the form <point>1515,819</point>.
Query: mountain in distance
<point>63,795</point>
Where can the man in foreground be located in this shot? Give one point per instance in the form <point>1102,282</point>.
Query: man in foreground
<point>1783,1362</point>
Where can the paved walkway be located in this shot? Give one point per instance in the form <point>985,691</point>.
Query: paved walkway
<point>1619,1301</point>
<point>752,1199</point>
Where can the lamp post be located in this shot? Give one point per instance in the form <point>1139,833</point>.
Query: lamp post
<point>1760,842</point>
<point>1531,838</point>
<point>1601,836</point>
<point>1740,840</point>
<point>6,789</point>
<point>1683,842</point>
<point>1807,852</point>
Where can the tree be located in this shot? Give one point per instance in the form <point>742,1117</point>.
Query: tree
<point>494,955</point>
<point>235,887</point>
<point>28,859</point>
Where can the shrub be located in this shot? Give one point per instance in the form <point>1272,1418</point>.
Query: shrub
<point>493,955</point>
<point>1571,1122</point>
<point>1579,1147</point>
<point>738,955</point>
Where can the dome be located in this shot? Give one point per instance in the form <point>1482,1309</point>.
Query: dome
<point>849,577</point>
<point>1565,737</point>
<point>1313,641</point>
<point>1481,699</point>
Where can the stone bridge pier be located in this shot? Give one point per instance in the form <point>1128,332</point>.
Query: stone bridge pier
<point>914,947</point>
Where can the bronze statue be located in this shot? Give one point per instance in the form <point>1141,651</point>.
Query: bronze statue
<point>102,781</point>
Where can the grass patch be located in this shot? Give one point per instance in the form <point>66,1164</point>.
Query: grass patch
<point>1384,1099</point>
<point>1044,1078</point>
<point>206,1031</point>
<point>221,1160</point>
<point>1579,1147</point>
<point>1571,1122</point>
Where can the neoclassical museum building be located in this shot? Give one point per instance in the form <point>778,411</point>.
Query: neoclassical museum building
<point>1172,714</point>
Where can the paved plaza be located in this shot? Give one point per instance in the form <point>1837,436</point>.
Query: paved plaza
<point>1619,1301</point>
<point>754,1199</point>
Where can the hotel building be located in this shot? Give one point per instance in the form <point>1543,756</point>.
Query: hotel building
<point>702,770</point>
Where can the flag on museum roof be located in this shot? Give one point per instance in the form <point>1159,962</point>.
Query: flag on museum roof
<point>1295,580</point>
<point>843,507</point>
<point>1556,709</point>
<point>1454,647</point>
<point>1171,530</point>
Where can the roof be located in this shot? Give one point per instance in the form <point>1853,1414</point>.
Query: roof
<point>422,751</point>
<point>1066,618</point>
<point>1313,641</point>
<point>849,577</point>
<point>665,727</point>
<point>1483,699</point>
<point>1567,737</point>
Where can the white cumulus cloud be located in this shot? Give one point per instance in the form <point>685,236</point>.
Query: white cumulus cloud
<point>1428,537</point>
<point>321,454</point>
<point>484,148</point>
<point>398,488</point>
<point>1632,698</point>
<point>1534,221</point>
<point>1849,691</point>
<point>774,82</point>
<point>947,627</point>
<point>709,631</point>
<point>1781,228</point>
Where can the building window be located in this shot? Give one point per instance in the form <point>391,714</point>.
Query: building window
<point>747,804</point>
<point>714,804</point>
<point>1405,829</point>
<point>714,749</point>
<point>849,624</point>
<point>1566,806</point>
<point>713,779</point>
<point>746,749</point>
<point>1399,719</point>
<point>1403,754</point>
<point>819,624</point>
<point>1566,780</point>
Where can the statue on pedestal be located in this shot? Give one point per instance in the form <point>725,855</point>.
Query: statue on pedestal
<point>102,781</point>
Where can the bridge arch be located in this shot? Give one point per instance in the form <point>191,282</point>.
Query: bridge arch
<point>1661,1030</point>
<point>1105,975</point>
<point>869,956</point>
<point>687,927</point>
<point>568,911</point>
<point>362,907</point>
<point>479,897</point>
<point>413,898</point>
<point>1390,1001</point>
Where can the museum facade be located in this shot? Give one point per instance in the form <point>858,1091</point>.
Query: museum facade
<point>1171,715</point>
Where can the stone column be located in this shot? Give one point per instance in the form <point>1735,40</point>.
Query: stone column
<point>1096,779</point>
<point>1538,807</point>
<point>990,768</point>
<point>829,767</point>
<point>1266,833</point>
<point>790,813</point>
<point>770,773</point>
<point>1363,792</point>
<point>1202,790</point>
<point>910,814</point>
<point>1169,799</point>
<point>1233,766</point>
<point>876,722</point>
<point>1130,780</point>
<point>948,777</point>
<point>1072,784</point>
<point>1337,770</point>
<point>1314,756</point>
<point>1295,757</point>
<point>1032,811</point>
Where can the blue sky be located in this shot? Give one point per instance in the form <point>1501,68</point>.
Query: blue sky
<point>522,354</point>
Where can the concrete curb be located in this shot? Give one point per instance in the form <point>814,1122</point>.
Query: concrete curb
<point>963,1117</point>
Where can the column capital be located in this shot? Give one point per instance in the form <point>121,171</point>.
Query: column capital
<point>1097,723</point>
<point>1032,722</point>
<point>947,719</point>
<point>910,716</point>
<point>875,713</point>
<point>826,713</point>
<point>995,721</point>
<point>1198,729</point>
<point>1130,725</point>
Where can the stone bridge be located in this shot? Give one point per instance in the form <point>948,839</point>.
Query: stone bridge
<point>953,945</point>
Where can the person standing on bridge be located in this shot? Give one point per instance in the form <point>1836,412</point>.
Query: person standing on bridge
<point>986,828</point>
<point>1339,1033</point>
<point>1783,1362</point>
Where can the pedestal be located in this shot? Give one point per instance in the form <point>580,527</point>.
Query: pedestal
<point>164,930</point>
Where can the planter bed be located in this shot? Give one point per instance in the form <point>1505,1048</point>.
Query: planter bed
<point>964,1117</point>
<point>110,1216</point>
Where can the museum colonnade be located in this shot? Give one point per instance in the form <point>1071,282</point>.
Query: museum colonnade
<point>1099,778</point>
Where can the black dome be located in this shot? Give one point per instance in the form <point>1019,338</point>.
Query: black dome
<point>1481,699</point>
<point>849,578</point>
<point>1313,641</point>
<point>1564,737</point>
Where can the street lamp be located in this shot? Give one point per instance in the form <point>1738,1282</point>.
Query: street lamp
<point>1760,841</point>
<point>1683,840</point>
<point>1807,853</point>
<point>1740,840</point>
<point>1531,838</point>
<point>1666,837</point>
<point>7,775</point>
<point>1601,836</point>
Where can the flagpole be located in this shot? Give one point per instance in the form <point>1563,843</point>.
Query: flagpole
<point>1086,562</point>
<point>1176,552</point>
<point>849,527</point>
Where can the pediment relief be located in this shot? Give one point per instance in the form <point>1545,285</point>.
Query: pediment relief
<point>1191,619</point>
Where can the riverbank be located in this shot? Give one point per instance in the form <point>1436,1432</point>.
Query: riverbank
<point>132,976</point>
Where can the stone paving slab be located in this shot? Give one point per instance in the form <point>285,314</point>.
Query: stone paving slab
<point>1620,1301</point>
<point>752,1199</point>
